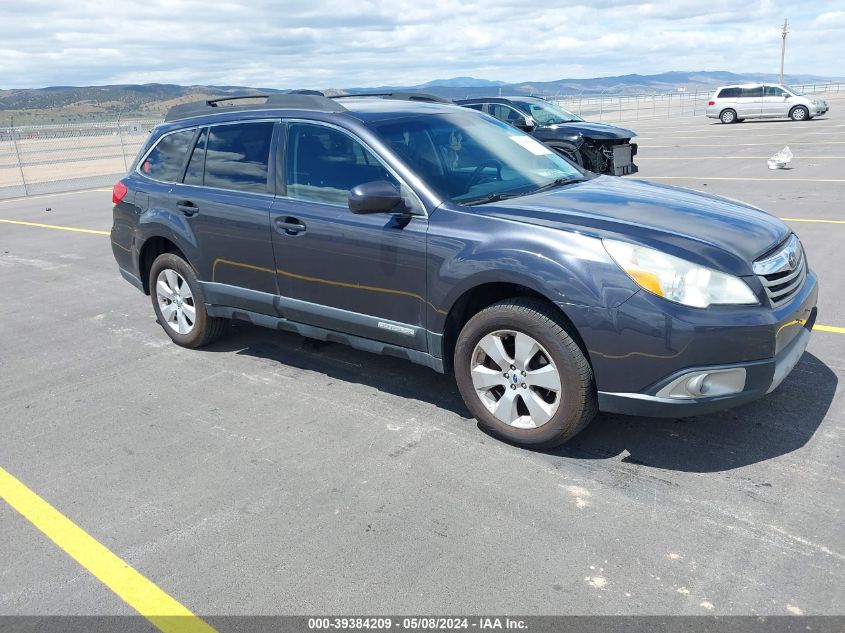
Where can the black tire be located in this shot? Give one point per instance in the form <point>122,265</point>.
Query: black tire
<point>799,113</point>
<point>205,329</point>
<point>577,405</point>
<point>728,116</point>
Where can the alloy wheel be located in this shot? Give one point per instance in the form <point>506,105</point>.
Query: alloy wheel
<point>176,301</point>
<point>515,378</point>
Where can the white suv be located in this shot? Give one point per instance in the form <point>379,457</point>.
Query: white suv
<point>761,101</point>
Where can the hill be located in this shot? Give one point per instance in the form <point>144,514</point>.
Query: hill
<point>64,104</point>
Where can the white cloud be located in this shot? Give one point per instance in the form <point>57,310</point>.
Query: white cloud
<point>345,43</point>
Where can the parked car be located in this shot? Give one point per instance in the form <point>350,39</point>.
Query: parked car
<point>404,226</point>
<point>597,147</point>
<point>732,104</point>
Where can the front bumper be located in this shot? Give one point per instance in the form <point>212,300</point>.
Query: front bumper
<point>762,377</point>
<point>641,348</point>
<point>818,110</point>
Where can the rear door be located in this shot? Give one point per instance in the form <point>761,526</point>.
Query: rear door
<point>750,102</point>
<point>225,198</point>
<point>360,274</point>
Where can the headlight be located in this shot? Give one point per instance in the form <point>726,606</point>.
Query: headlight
<point>676,279</point>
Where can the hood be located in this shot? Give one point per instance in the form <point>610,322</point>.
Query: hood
<point>600,131</point>
<point>723,234</point>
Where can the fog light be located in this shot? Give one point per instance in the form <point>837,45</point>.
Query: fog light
<point>705,384</point>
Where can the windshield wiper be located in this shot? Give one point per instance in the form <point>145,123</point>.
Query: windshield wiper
<point>559,182</point>
<point>492,197</point>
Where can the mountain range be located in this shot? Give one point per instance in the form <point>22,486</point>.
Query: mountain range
<point>75,103</point>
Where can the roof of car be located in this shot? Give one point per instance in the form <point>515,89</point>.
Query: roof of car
<point>364,107</point>
<point>501,99</point>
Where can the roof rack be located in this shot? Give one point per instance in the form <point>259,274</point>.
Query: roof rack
<point>404,96</point>
<point>299,100</point>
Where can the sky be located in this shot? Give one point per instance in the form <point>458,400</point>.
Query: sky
<point>358,43</point>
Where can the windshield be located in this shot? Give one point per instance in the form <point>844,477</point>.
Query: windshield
<point>469,159</point>
<point>547,113</point>
<point>797,93</point>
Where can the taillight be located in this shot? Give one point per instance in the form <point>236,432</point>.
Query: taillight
<point>118,192</point>
<point>711,103</point>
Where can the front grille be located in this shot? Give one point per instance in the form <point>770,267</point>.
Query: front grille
<point>784,272</point>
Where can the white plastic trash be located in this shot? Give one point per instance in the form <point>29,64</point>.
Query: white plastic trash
<point>781,159</point>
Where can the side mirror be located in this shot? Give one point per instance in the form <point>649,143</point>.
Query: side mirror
<point>378,196</point>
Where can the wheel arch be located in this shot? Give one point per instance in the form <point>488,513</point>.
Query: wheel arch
<point>475,299</point>
<point>152,247</point>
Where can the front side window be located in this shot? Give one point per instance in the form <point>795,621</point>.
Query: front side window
<point>238,156</point>
<point>774,91</point>
<point>323,164</point>
<point>547,113</point>
<point>505,113</point>
<point>166,160</point>
<point>470,159</point>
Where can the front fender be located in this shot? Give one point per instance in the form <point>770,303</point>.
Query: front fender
<point>466,250</point>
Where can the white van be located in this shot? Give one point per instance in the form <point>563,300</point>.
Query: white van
<point>763,101</point>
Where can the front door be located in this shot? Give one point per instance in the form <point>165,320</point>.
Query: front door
<point>775,102</point>
<point>226,196</point>
<point>360,274</point>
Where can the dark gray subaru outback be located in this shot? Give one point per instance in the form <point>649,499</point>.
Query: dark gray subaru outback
<point>403,226</point>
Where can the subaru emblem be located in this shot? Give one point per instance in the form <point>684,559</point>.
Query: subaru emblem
<point>793,258</point>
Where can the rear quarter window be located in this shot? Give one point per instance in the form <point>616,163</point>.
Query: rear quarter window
<point>728,93</point>
<point>167,158</point>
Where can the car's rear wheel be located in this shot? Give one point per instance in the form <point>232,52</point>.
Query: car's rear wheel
<point>728,116</point>
<point>179,303</point>
<point>799,113</point>
<point>523,376</point>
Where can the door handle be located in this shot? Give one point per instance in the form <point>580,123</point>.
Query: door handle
<point>291,226</point>
<point>187,207</point>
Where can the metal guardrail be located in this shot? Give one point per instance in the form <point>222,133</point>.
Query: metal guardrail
<point>36,159</point>
<point>619,107</point>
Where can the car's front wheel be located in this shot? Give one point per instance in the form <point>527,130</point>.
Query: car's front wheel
<point>523,376</point>
<point>179,303</point>
<point>799,113</point>
<point>728,116</point>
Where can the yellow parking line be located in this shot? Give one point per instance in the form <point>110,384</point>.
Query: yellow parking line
<point>641,158</point>
<point>51,195</point>
<point>830,328</point>
<point>813,220</point>
<point>739,178</point>
<point>56,227</point>
<point>161,610</point>
<point>687,145</point>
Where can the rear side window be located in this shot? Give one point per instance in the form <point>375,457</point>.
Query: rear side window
<point>238,156</point>
<point>727,93</point>
<point>756,91</point>
<point>196,166</point>
<point>166,160</point>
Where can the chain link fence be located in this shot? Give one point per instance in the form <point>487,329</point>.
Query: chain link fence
<point>37,159</point>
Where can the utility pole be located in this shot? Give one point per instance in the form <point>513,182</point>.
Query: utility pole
<point>783,47</point>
